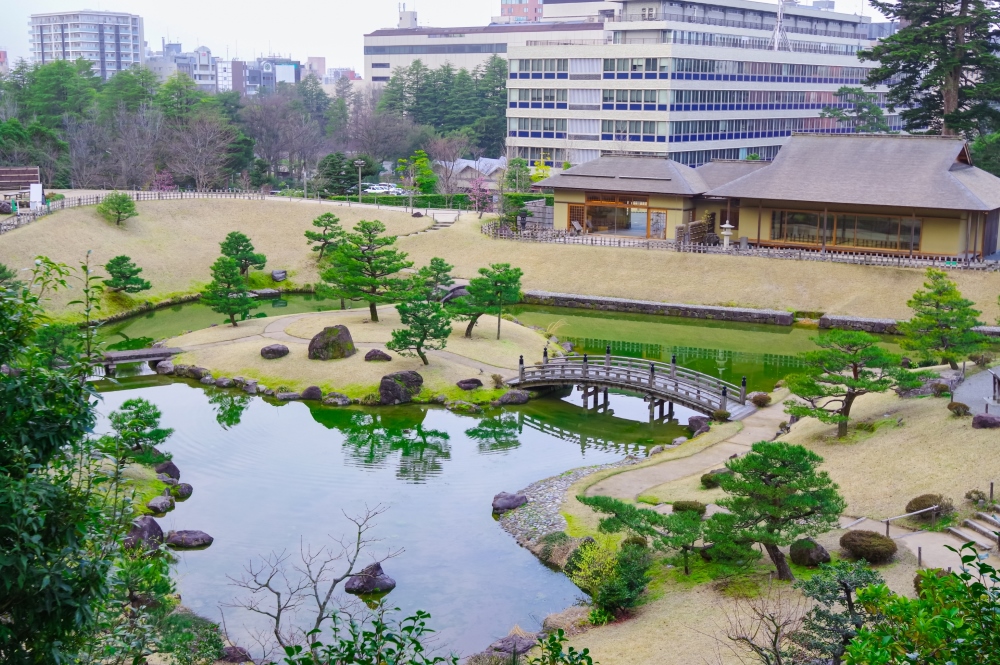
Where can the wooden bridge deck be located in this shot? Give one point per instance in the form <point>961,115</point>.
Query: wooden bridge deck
<point>139,355</point>
<point>658,381</point>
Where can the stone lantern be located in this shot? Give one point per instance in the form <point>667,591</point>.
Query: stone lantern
<point>727,232</point>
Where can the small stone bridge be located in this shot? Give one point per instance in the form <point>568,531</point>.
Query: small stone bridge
<point>661,383</point>
<point>151,356</point>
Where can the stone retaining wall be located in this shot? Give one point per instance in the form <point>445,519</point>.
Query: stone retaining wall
<point>740,314</point>
<point>881,326</point>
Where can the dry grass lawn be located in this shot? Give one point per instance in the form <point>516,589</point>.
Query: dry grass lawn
<point>229,351</point>
<point>175,242</point>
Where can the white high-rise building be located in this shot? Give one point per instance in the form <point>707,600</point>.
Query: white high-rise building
<point>113,41</point>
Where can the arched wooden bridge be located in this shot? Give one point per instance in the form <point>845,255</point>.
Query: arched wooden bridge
<point>661,383</point>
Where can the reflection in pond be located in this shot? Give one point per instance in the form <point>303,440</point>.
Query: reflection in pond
<point>229,406</point>
<point>496,434</point>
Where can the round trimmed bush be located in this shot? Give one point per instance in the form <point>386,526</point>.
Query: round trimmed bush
<point>689,507</point>
<point>958,409</point>
<point>868,545</point>
<point>710,480</point>
<point>635,541</point>
<point>982,359</point>
<point>760,400</point>
<point>720,415</point>
<point>925,501</point>
<point>940,389</point>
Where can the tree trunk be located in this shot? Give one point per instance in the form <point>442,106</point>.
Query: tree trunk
<point>472,324</point>
<point>373,311</point>
<point>846,412</point>
<point>343,305</point>
<point>780,563</point>
<point>232,320</point>
<point>420,352</point>
<point>952,363</point>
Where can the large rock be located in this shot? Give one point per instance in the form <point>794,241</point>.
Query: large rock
<point>164,367</point>
<point>505,501</point>
<point>514,643</point>
<point>161,504</point>
<point>469,384</point>
<point>312,393</point>
<point>266,294</point>
<point>145,533</point>
<point>286,397</point>
<point>399,387</point>
<point>168,468</point>
<point>515,397</point>
<point>224,382</point>
<point>207,380</point>
<point>274,351</point>
<point>188,540</point>
<point>377,355</point>
<point>371,579</point>
<point>332,343</point>
<point>695,423</point>
<point>337,399</point>
<point>279,275</point>
<point>807,552</point>
<point>250,387</point>
<point>198,372</point>
<point>181,491</point>
<point>164,478</point>
<point>985,421</point>
<point>458,406</point>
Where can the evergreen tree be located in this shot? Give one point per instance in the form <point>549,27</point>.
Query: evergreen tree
<point>8,279</point>
<point>847,365</point>
<point>495,287</point>
<point>336,174</point>
<point>227,292</point>
<point>434,277</point>
<point>125,276</point>
<point>365,267</point>
<point>137,424</point>
<point>776,495</point>
<point>329,236</point>
<point>518,176</point>
<point>463,105</point>
<point>129,89</point>
<point>178,97</point>
<point>986,152</point>
<point>55,90</point>
<point>428,326</point>
<point>418,169</point>
<point>491,125</point>
<point>942,323</point>
<point>942,65</point>
<point>865,114</point>
<point>117,207</point>
<point>239,248</point>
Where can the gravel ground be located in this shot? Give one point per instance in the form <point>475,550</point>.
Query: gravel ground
<point>541,514</point>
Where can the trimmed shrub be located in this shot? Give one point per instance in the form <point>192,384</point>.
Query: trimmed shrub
<point>720,415</point>
<point>760,400</point>
<point>925,501</point>
<point>710,480</point>
<point>958,409</point>
<point>689,507</point>
<point>868,545</point>
<point>940,389</point>
<point>635,540</point>
<point>977,496</point>
<point>982,359</point>
<point>627,582</point>
<point>498,380</point>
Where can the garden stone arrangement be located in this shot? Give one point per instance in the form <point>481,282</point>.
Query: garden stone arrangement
<point>332,343</point>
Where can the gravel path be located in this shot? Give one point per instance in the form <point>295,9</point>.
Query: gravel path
<point>541,514</point>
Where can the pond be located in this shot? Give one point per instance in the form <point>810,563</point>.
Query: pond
<point>267,478</point>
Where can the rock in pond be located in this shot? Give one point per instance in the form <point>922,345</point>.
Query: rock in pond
<point>514,643</point>
<point>678,441</point>
<point>279,275</point>
<point>197,372</point>
<point>207,380</point>
<point>161,504</point>
<point>164,478</point>
<point>274,351</point>
<point>312,393</point>
<point>224,382</point>
<point>515,397</point>
<point>655,450</point>
<point>458,406</point>
<point>286,397</point>
<point>168,468</point>
<point>188,540</point>
<point>695,423</point>
<point>145,532</point>
<point>505,501</point>
<point>181,491</point>
<point>985,421</point>
<point>377,355</point>
<point>266,294</point>
<point>336,399</point>
<point>250,387</point>
<point>371,579</point>
<point>164,367</point>
<point>469,384</point>
<point>399,387</point>
<point>807,552</point>
<point>332,343</point>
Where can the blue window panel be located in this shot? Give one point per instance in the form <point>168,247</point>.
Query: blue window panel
<point>636,75</point>
<point>550,75</point>
<point>703,107</point>
<point>523,105</point>
<point>560,105</point>
<point>649,139</point>
<point>513,75</point>
<point>608,107</point>
<point>635,107</point>
<point>536,105</point>
<point>666,75</point>
<point>634,137</point>
<point>525,75</point>
<point>607,137</point>
<point>523,134</point>
<point>512,133</point>
<point>609,75</point>
<point>685,138</point>
<point>650,75</point>
<point>718,107</point>
<point>536,75</point>
<point>718,137</point>
<point>513,105</point>
<point>621,107</point>
<point>673,107</point>
<point>662,107</point>
<point>649,107</point>
<point>548,105</point>
<point>622,75</point>
<point>536,135</point>
<point>548,135</point>
<point>661,139</point>
<point>560,135</point>
<point>687,76</point>
<point>562,75</point>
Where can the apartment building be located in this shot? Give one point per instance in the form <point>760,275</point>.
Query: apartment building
<point>113,41</point>
<point>264,74</point>
<point>521,11</point>
<point>691,80</point>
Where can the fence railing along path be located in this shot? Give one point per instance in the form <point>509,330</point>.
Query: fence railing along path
<point>501,231</point>
<point>656,380</point>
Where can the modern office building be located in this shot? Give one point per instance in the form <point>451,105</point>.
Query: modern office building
<point>198,64</point>
<point>113,41</point>
<point>264,74</point>
<point>691,80</point>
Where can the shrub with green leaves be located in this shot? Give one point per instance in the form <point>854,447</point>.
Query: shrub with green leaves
<point>868,545</point>
<point>959,409</point>
<point>689,506</point>
<point>117,207</point>
<point>710,480</point>
<point>760,400</point>
<point>925,501</point>
<point>628,580</point>
<point>720,415</point>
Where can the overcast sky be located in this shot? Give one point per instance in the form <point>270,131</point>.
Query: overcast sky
<point>300,28</point>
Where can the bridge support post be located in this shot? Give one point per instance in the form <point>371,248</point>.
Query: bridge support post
<point>670,410</point>
<point>652,375</point>
<point>725,399</point>
<point>673,366</point>
<point>585,366</point>
<point>606,402</point>
<point>109,370</point>
<point>607,357</point>
<point>545,356</point>
<point>743,391</point>
<point>520,369</point>
<point>660,415</point>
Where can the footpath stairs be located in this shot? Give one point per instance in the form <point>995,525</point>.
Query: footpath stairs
<point>980,530</point>
<point>437,226</point>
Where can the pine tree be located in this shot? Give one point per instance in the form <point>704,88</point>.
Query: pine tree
<point>942,65</point>
<point>496,286</point>
<point>125,276</point>
<point>117,207</point>
<point>239,248</point>
<point>227,292</point>
<point>865,114</point>
<point>518,176</point>
<point>434,277</point>
<point>428,326</point>
<point>942,323</point>
<point>329,236</point>
<point>776,495</point>
<point>336,174</point>
<point>847,365</point>
<point>365,267</point>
